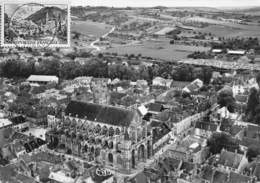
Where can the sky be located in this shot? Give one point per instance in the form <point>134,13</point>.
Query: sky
<point>168,3</point>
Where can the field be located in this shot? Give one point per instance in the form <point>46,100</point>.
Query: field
<point>158,49</point>
<point>90,28</point>
<point>226,31</point>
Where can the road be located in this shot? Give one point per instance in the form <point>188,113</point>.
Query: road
<point>97,48</point>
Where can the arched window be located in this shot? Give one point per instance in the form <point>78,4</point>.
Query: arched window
<point>110,158</point>
<point>111,131</point>
<point>117,131</point>
<point>105,144</point>
<point>98,129</point>
<point>104,130</point>
<point>92,149</point>
<point>97,152</point>
<point>119,160</point>
<point>86,148</point>
<point>111,145</point>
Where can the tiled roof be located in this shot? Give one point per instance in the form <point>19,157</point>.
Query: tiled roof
<point>207,173</point>
<point>155,123</point>
<point>228,127</point>
<point>173,163</point>
<point>238,178</point>
<point>241,98</point>
<point>18,119</point>
<point>230,159</point>
<point>155,107</point>
<point>257,171</point>
<point>187,167</point>
<point>252,131</point>
<point>219,177</point>
<point>206,126</point>
<point>45,78</point>
<point>249,141</point>
<point>100,113</point>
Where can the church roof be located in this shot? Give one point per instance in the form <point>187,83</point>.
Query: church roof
<point>100,113</point>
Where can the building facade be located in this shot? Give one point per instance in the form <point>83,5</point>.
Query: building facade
<point>107,135</point>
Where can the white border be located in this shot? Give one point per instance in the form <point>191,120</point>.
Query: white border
<point>44,2</point>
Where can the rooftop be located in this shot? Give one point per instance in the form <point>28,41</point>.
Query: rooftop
<point>101,113</point>
<point>230,159</point>
<point>43,78</point>
<point>5,122</point>
<point>206,126</point>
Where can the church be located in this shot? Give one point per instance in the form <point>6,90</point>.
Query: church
<point>115,137</point>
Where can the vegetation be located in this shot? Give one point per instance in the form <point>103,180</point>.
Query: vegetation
<point>200,55</point>
<point>252,112</point>
<point>226,99</point>
<point>98,68</point>
<point>239,43</point>
<point>252,152</point>
<point>218,141</point>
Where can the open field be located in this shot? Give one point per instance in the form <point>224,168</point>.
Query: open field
<point>158,49</point>
<point>90,28</point>
<point>225,31</point>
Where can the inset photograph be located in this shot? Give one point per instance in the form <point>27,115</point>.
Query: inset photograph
<point>35,25</point>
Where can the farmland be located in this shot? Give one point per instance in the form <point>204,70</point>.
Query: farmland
<point>158,49</point>
<point>90,28</point>
<point>226,31</point>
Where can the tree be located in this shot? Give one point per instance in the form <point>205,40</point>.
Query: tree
<point>218,141</point>
<point>226,99</point>
<point>252,152</point>
<point>253,102</point>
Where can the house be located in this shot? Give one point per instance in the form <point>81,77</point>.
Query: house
<point>238,178</point>
<point>191,149</point>
<point>216,51</point>
<point>5,123</point>
<point>155,108</point>
<point>236,52</point>
<point>60,177</point>
<point>210,175</point>
<point>216,74</point>
<point>231,161</point>
<point>238,89</point>
<point>43,79</point>
<point>205,129</point>
<point>229,127</point>
<point>246,142</point>
<point>225,114</point>
<point>159,81</point>
<point>141,83</point>
<point>139,178</point>
<point>186,123</point>
<point>252,131</point>
<point>194,86</point>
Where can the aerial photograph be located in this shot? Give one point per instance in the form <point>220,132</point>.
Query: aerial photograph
<point>148,91</point>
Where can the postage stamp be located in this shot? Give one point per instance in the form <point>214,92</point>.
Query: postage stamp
<point>35,23</point>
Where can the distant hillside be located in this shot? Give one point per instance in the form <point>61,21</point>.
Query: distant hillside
<point>251,10</point>
<point>81,11</point>
<point>53,12</point>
